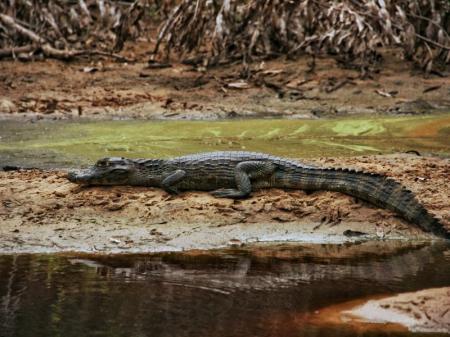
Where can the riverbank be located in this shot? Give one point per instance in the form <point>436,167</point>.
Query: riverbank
<point>422,311</point>
<point>425,310</point>
<point>41,211</point>
<point>279,88</point>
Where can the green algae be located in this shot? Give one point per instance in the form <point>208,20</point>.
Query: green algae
<point>58,144</point>
<point>358,128</point>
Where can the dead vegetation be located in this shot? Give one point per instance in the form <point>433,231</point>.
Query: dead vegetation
<point>352,30</point>
<point>207,33</point>
<point>66,29</point>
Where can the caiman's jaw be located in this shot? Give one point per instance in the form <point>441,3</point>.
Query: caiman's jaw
<point>107,171</point>
<point>85,177</point>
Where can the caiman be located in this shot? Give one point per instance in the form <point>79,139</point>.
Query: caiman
<point>236,174</point>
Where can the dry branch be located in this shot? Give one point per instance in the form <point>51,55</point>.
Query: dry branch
<point>47,48</point>
<point>66,29</point>
<point>12,51</point>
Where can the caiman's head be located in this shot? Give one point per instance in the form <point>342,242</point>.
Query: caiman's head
<point>107,171</point>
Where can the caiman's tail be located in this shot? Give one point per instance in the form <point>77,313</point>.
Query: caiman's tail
<point>374,188</point>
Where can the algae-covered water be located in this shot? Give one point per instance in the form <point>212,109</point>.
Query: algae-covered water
<point>62,144</point>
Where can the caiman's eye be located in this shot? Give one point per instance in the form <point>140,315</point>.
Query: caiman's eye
<point>119,171</point>
<point>101,164</point>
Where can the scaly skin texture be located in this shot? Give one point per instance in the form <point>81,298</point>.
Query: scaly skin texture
<point>237,174</point>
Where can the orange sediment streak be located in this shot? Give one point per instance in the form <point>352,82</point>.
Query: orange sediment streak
<point>340,315</point>
<point>429,129</point>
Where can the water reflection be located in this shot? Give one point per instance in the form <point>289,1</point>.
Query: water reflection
<point>232,293</point>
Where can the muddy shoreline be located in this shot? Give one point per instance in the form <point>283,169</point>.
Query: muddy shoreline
<point>418,311</point>
<point>104,90</point>
<point>422,311</point>
<point>41,211</point>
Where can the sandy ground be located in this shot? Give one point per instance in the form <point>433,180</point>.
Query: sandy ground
<point>101,89</point>
<point>41,211</point>
<point>422,311</point>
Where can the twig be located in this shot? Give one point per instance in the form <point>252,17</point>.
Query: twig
<point>75,53</point>
<point>337,86</point>
<point>16,50</point>
<point>436,44</point>
<point>428,20</point>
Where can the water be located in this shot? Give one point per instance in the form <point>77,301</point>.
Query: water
<point>64,144</point>
<point>259,292</point>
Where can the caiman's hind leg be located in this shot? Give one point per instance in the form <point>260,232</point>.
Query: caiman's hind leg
<point>244,172</point>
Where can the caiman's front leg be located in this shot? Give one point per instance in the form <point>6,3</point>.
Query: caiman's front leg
<point>169,182</point>
<point>244,171</point>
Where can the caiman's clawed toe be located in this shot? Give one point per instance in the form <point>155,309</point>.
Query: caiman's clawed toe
<point>229,193</point>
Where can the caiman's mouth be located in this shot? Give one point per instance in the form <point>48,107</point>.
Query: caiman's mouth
<point>84,177</point>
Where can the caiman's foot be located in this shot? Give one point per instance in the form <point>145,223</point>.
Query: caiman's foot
<point>172,190</point>
<point>229,193</point>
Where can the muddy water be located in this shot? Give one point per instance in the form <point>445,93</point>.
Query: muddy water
<point>63,144</point>
<point>229,293</point>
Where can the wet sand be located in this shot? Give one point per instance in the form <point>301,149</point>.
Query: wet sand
<point>422,311</point>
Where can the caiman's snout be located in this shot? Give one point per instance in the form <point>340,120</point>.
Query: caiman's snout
<point>72,176</point>
<point>78,177</point>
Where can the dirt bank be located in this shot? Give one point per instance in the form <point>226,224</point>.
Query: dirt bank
<point>422,311</point>
<point>103,89</point>
<point>42,211</point>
